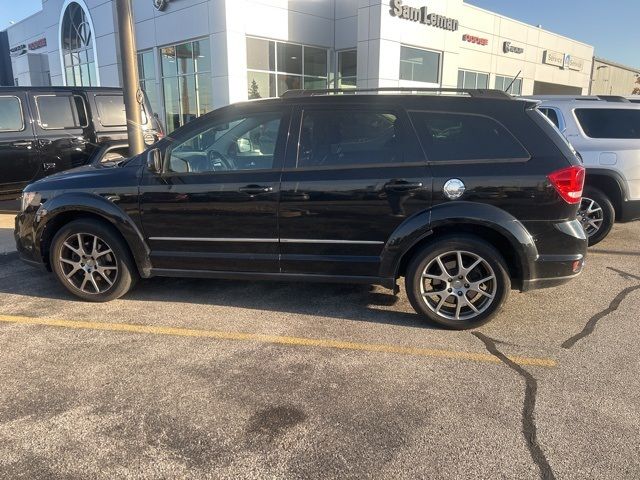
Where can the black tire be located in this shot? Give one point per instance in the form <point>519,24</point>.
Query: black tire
<point>116,267</point>
<point>422,293</point>
<point>608,217</point>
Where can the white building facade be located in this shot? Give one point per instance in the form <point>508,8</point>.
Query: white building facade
<point>196,55</point>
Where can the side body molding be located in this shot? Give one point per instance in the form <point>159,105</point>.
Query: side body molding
<point>99,206</point>
<point>423,224</point>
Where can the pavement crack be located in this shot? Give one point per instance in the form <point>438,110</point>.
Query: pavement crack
<point>623,274</point>
<point>613,306</point>
<point>529,428</point>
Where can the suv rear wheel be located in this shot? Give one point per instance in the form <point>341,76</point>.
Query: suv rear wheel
<point>596,215</point>
<point>91,261</point>
<point>459,282</point>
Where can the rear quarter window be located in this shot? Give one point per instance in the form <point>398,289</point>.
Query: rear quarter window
<point>465,137</point>
<point>111,111</point>
<point>613,123</point>
<point>11,117</point>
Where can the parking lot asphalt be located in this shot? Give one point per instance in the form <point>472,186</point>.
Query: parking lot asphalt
<point>225,379</point>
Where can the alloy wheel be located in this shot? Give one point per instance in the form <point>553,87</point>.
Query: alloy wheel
<point>458,285</point>
<point>88,263</point>
<point>590,216</point>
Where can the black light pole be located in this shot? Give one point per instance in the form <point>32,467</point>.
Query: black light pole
<point>130,84</point>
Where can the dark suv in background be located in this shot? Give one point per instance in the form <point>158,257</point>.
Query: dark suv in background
<point>466,196</point>
<point>44,130</point>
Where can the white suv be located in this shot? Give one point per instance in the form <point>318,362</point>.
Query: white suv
<point>606,133</point>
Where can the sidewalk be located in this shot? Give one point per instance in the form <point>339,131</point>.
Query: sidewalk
<point>7,243</point>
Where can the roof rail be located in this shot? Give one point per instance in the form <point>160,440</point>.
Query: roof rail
<point>472,92</point>
<point>613,98</point>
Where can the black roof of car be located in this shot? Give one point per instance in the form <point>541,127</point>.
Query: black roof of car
<point>61,89</point>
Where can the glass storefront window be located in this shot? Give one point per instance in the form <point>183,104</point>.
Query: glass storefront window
<point>77,48</point>
<point>472,80</point>
<point>289,58</point>
<point>147,73</point>
<point>347,69</point>
<point>419,65</point>
<point>502,83</point>
<point>186,82</point>
<point>275,67</point>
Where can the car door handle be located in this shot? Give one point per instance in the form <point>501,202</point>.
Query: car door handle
<point>255,189</point>
<point>403,186</point>
<point>44,141</point>
<point>22,144</point>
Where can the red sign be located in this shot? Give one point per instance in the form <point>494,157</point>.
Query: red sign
<point>38,44</point>
<point>476,40</point>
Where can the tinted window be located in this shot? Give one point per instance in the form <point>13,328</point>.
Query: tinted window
<point>552,115</point>
<point>111,110</point>
<point>241,143</point>
<point>11,119</point>
<point>446,136</point>
<point>345,138</point>
<point>58,112</point>
<point>419,65</point>
<point>609,122</point>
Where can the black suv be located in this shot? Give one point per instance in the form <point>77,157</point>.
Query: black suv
<point>466,196</point>
<point>44,130</point>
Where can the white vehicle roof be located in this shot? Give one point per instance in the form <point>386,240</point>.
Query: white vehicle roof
<point>574,101</point>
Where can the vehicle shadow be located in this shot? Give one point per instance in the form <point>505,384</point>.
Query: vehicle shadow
<point>340,301</point>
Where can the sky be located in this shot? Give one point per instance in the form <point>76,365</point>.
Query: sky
<point>17,10</point>
<point>612,27</point>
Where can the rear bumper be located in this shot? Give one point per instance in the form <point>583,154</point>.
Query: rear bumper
<point>629,211</point>
<point>561,255</point>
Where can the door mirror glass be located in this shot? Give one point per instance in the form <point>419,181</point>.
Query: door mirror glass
<point>244,145</point>
<point>154,160</point>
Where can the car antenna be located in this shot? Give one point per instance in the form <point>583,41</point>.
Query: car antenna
<point>512,81</point>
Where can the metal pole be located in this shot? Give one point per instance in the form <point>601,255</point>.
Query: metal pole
<point>130,85</point>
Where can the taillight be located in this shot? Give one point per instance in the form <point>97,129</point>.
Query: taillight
<point>569,183</point>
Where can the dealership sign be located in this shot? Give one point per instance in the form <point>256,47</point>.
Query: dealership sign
<point>421,15</point>
<point>508,47</point>
<point>18,50</point>
<point>562,60</point>
<point>474,39</point>
<point>40,43</point>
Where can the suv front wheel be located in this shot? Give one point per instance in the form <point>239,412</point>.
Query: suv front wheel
<point>459,282</point>
<point>92,262</point>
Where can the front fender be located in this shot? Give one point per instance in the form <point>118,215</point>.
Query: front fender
<point>79,202</point>
<point>449,215</point>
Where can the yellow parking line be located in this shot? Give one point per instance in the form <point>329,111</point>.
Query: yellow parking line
<point>274,339</point>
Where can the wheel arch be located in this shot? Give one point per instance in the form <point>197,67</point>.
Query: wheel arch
<point>610,183</point>
<point>490,223</point>
<point>60,211</point>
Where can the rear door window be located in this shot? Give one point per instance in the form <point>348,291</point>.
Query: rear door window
<point>111,110</point>
<point>59,112</point>
<point>343,138</point>
<point>464,137</point>
<point>615,123</point>
<point>11,116</point>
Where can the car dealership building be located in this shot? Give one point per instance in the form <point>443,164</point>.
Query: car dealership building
<point>196,55</point>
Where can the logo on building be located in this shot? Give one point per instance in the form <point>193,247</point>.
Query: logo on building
<point>160,4</point>
<point>474,39</point>
<point>38,44</point>
<point>562,60</point>
<point>421,15</point>
<point>18,50</point>
<point>507,47</point>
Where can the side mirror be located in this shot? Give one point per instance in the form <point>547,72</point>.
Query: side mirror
<point>154,160</point>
